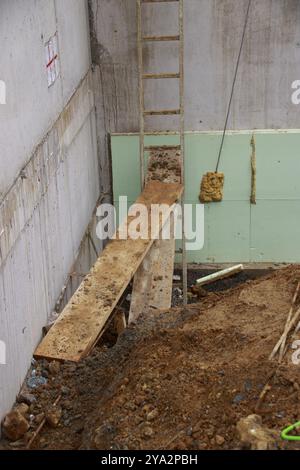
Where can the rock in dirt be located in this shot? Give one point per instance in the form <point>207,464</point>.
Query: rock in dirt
<point>36,381</point>
<point>219,440</point>
<point>22,408</point>
<point>199,291</point>
<point>54,367</point>
<point>103,437</point>
<point>65,390</point>
<point>252,434</point>
<point>27,398</point>
<point>152,415</point>
<point>39,418</point>
<point>148,432</point>
<point>18,444</point>
<point>15,425</point>
<point>67,405</point>
<point>238,398</point>
<point>53,416</point>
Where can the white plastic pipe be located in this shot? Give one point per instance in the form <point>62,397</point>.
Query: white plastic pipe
<point>220,275</point>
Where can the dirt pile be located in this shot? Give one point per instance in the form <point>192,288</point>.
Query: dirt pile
<point>181,379</point>
<point>164,167</point>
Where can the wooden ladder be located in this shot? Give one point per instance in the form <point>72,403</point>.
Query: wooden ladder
<point>179,38</point>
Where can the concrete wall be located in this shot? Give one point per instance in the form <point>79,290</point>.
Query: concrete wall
<point>213,28</point>
<point>49,175</point>
<point>31,107</point>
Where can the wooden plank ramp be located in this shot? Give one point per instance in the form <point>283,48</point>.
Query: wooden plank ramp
<point>83,320</point>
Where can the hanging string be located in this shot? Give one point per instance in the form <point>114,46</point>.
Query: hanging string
<point>233,84</point>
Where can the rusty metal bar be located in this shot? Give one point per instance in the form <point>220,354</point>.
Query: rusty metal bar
<point>160,38</point>
<point>161,148</point>
<point>162,112</point>
<point>160,75</point>
<point>159,1</point>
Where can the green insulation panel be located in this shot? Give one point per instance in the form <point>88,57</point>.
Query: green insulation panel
<point>235,230</point>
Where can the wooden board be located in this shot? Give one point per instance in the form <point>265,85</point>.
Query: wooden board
<point>153,281</point>
<point>152,284</point>
<point>142,283</point>
<point>160,295</point>
<point>83,320</point>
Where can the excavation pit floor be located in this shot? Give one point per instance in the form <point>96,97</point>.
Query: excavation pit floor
<point>180,379</point>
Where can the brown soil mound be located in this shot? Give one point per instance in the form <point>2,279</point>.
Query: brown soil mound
<point>184,378</point>
<point>164,167</point>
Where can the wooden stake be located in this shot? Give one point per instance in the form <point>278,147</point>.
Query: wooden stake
<point>286,328</point>
<point>264,393</point>
<point>253,171</point>
<point>292,323</point>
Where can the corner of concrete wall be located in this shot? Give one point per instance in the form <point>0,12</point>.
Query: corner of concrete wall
<point>47,209</point>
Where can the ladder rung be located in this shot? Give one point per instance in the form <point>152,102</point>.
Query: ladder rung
<point>159,1</point>
<point>160,38</point>
<point>162,148</point>
<point>160,75</point>
<point>162,112</point>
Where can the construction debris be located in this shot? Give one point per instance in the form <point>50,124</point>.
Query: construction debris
<point>83,320</point>
<point>253,435</point>
<point>27,398</point>
<point>23,408</point>
<point>267,388</point>
<point>54,367</point>
<point>15,425</point>
<point>220,275</point>
<point>212,185</point>
<point>41,419</point>
<point>287,432</point>
<point>53,415</point>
